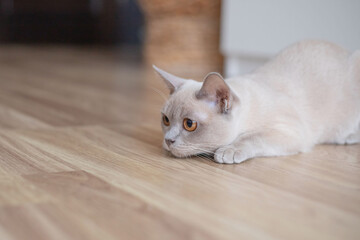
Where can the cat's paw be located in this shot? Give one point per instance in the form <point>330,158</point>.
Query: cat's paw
<point>229,155</point>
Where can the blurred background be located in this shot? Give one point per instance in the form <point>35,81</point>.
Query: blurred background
<point>188,37</point>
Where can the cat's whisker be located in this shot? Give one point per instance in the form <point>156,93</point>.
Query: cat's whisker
<point>205,157</point>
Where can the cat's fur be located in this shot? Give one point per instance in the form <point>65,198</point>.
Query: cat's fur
<point>308,94</point>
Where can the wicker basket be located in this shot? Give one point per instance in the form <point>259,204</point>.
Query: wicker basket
<point>183,36</point>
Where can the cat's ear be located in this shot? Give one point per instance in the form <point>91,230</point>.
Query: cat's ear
<point>215,90</point>
<point>172,82</point>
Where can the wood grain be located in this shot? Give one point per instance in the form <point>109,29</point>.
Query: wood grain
<point>81,158</point>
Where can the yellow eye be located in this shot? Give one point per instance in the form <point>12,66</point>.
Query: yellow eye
<point>166,121</point>
<point>190,125</point>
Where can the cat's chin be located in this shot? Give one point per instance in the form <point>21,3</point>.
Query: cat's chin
<point>176,152</point>
<point>182,154</point>
<point>179,154</point>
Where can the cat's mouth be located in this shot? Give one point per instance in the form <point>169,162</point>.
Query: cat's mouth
<point>177,151</point>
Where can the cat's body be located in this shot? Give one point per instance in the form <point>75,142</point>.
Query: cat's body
<point>306,95</point>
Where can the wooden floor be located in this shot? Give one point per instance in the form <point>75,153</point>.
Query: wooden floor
<point>81,158</point>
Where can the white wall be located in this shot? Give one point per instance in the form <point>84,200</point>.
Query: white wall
<point>254,30</point>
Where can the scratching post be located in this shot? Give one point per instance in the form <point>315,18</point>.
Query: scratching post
<point>182,37</point>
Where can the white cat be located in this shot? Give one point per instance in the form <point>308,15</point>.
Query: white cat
<point>308,94</point>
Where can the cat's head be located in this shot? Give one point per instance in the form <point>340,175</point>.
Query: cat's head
<point>197,117</point>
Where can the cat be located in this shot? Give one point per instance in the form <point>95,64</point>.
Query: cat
<point>308,94</point>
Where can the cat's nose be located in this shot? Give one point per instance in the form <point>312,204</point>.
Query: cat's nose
<point>169,141</point>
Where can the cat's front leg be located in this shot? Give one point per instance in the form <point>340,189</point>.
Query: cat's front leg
<point>272,143</point>
<point>230,154</point>
<point>241,149</point>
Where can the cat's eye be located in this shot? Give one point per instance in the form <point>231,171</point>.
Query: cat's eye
<point>189,125</point>
<point>166,120</point>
